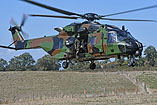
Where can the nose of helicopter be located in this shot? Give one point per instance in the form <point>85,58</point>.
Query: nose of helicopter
<point>139,49</point>
<point>135,48</point>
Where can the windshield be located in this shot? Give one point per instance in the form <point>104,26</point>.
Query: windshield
<point>117,36</point>
<point>129,35</point>
<point>122,35</point>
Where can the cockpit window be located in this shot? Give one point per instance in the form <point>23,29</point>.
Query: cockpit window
<point>121,35</point>
<point>93,27</point>
<point>112,37</point>
<point>129,35</point>
<point>117,35</point>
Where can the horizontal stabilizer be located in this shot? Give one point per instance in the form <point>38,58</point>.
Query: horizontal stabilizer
<point>8,47</point>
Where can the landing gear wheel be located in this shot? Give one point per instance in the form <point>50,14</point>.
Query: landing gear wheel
<point>132,62</point>
<point>65,64</point>
<point>92,66</point>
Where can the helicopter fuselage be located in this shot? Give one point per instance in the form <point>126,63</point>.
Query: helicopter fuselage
<point>94,41</point>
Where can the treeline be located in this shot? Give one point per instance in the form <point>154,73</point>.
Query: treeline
<point>26,62</point>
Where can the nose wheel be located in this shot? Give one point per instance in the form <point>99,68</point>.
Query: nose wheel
<point>65,64</point>
<point>92,65</point>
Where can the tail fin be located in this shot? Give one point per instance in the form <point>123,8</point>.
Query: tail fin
<point>16,37</point>
<point>16,34</point>
<point>17,29</point>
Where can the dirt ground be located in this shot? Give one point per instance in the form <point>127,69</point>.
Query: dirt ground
<point>142,99</point>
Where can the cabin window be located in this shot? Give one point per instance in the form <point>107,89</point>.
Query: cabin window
<point>60,43</point>
<point>93,27</point>
<point>93,40</point>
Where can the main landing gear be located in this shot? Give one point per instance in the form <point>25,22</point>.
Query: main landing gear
<point>65,65</point>
<point>92,65</point>
<point>131,62</point>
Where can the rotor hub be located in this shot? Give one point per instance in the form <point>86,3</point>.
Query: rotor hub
<point>91,16</point>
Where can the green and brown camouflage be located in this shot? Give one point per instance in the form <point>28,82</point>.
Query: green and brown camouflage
<point>16,34</point>
<point>98,46</point>
<point>87,41</point>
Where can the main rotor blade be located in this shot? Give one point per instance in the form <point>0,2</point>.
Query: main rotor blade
<point>134,10</point>
<point>52,8</point>
<point>53,16</point>
<point>128,20</point>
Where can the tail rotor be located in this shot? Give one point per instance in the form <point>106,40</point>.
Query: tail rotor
<point>12,22</point>
<point>17,27</point>
<point>23,20</point>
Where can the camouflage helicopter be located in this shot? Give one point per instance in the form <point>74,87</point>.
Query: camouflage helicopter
<point>86,41</point>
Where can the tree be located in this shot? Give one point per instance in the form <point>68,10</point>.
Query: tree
<point>22,62</point>
<point>140,62</point>
<point>47,63</point>
<point>151,55</point>
<point>3,64</point>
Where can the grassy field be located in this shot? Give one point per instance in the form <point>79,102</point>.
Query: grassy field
<point>131,99</point>
<point>15,86</point>
<point>67,88</point>
<point>150,78</point>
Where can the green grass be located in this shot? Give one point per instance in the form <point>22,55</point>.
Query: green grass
<point>150,79</point>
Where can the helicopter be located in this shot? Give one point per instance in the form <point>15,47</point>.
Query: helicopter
<point>85,41</point>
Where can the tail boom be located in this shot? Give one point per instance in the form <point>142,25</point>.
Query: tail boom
<point>44,42</point>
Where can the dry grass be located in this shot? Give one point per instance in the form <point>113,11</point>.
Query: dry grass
<point>111,100</point>
<point>67,88</point>
<point>39,85</point>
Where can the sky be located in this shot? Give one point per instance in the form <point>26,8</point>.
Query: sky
<point>145,32</point>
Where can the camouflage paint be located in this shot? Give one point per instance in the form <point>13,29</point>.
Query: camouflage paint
<point>98,48</point>
<point>69,28</point>
<point>16,36</point>
<point>112,48</point>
